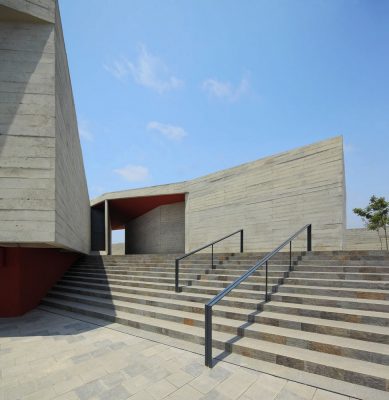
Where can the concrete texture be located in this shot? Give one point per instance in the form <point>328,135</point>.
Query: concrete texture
<point>269,198</point>
<point>72,208</point>
<point>44,199</point>
<point>363,239</point>
<point>118,248</point>
<point>49,356</point>
<point>161,230</point>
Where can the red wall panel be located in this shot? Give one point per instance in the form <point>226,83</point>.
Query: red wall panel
<point>27,274</point>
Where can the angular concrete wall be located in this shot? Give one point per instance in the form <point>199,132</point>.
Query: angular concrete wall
<point>32,9</point>
<point>43,194</point>
<point>72,208</point>
<point>27,132</point>
<point>269,198</point>
<point>161,230</point>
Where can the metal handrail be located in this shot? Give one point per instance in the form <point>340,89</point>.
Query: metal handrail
<point>233,285</point>
<point>177,279</point>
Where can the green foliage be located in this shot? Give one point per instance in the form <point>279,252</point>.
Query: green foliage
<point>375,215</point>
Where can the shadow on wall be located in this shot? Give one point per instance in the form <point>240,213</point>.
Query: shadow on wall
<point>26,86</point>
<point>84,288</point>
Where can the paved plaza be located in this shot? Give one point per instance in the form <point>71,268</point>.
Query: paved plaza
<point>49,356</point>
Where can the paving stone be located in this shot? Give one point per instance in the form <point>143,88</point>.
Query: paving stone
<point>235,385</point>
<point>325,395</point>
<point>118,392</point>
<point>267,386</point>
<point>161,389</point>
<point>185,392</point>
<point>68,396</point>
<point>126,371</point>
<point>204,383</point>
<point>194,368</point>
<point>142,395</point>
<point>179,378</point>
<point>68,385</point>
<point>136,384</point>
<point>297,389</point>
<point>42,394</point>
<point>89,390</point>
<point>113,379</point>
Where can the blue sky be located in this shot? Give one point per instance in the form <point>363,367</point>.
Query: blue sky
<point>168,91</point>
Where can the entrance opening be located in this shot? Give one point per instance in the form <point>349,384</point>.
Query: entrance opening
<point>151,224</point>
<point>118,242</point>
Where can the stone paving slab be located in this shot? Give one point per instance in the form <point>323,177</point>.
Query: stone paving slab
<point>49,356</point>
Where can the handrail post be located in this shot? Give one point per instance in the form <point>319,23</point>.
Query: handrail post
<point>177,287</point>
<point>309,238</point>
<point>212,266</point>
<point>290,256</point>
<point>266,284</point>
<point>208,336</point>
<point>241,240</point>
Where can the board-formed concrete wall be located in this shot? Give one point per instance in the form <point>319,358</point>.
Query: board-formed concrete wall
<point>32,9</point>
<point>43,194</point>
<point>161,230</point>
<point>363,239</point>
<point>270,199</point>
<point>72,208</point>
<point>27,132</point>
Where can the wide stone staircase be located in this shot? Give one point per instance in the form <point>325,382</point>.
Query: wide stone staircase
<point>328,316</point>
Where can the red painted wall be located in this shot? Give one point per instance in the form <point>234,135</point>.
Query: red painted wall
<point>27,274</point>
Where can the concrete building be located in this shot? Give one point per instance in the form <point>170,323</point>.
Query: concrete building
<point>47,220</point>
<point>269,198</point>
<point>44,202</point>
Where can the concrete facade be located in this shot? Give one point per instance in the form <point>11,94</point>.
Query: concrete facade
<point>269,198</point>
<point>363,239</point>
<point>161,230</point>
<point>44,197</point>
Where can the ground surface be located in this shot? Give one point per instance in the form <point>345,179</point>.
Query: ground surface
<point>49,356</point>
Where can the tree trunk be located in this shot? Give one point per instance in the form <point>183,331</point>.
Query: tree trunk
<point>386,238</point>
<point>379,237</point>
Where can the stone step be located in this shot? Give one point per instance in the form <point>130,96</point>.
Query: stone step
<point>332,262</point>
<point>329,313</point>
<point>346,255</point>
<point>134,304</point>
<point>361,372</point>
<point>327,301</point>
<point>211,287</point>
<point>349,330</point>
<point>275,278</point>
<point>336,292</point>
<point>347,347</point>
<point>339,275</point>
<point>241,293</point>
<point>166,294</point>
<point>230,311</point>
<point>171,266</point>
<point>256,284</point>
<point>339,283</point>
<point>341,269</point>
<point>226,311</point>
<point>120,282</point>
<point>277,270</point>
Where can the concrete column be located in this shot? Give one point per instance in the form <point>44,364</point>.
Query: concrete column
<point>108,231</point>
<point>127,238</point>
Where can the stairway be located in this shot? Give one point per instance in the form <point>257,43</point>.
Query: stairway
<point>329,316</point>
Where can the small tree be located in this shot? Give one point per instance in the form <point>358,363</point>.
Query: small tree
<point>376,216</point>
